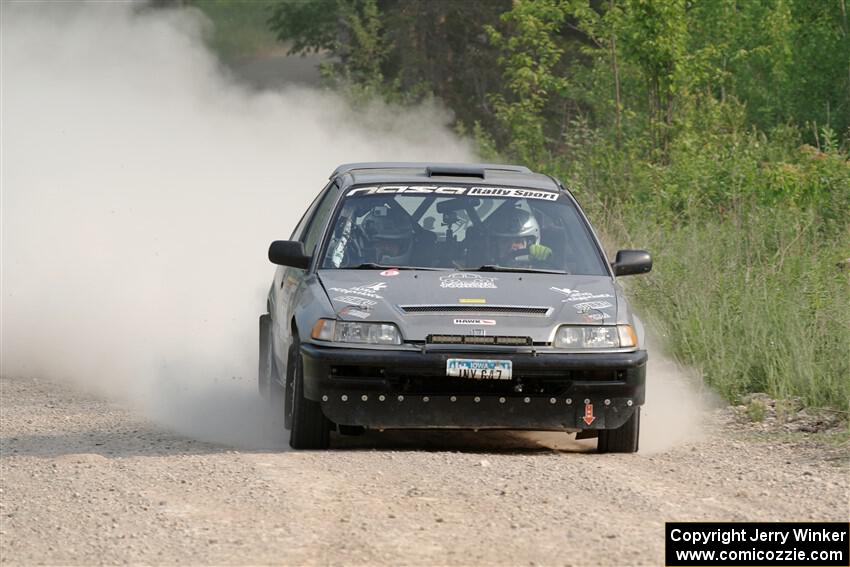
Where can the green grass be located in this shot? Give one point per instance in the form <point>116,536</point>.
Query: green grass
<point>755,301</point>
<point>240,26</point>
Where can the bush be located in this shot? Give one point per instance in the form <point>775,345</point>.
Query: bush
<point>757,303</point>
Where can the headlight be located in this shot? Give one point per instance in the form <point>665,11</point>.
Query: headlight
<point>349,332</point>
<point>596,337</point>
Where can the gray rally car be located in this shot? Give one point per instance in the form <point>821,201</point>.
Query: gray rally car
<point>468,296</point>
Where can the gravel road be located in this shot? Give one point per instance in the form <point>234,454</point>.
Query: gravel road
<point>85,482</point>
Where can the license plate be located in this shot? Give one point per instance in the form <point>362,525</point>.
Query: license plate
<point>476,369</point>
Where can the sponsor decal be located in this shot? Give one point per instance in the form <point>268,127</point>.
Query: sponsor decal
<point>389,273</point>
<point>465,280</point>
<point>472,300</point>
<point>588,305</point>
<point>576,295</point>
<point>351,311</point>
<point>516,193</point>
<point>495,192</point>
<point>475,322</point>
<point>362,290</point>
<point>354,300</point>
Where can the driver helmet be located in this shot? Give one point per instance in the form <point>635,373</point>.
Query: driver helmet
<point>512,232</point>
<point>391,234</point>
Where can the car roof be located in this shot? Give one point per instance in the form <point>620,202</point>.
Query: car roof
<point>427,172</point>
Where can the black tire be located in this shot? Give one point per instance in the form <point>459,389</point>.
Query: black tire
<point>310,428</point>
<point>265,361</point>
<point>351,430</point>
<point>269,385</point>
<point>288,384</point>
<point>624,439</point>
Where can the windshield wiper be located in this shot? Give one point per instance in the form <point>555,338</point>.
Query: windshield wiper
<point>374,266</point>
<point>497,268</point>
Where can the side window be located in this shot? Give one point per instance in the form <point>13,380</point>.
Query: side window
<point>319,219</point>
<point>298,233</point>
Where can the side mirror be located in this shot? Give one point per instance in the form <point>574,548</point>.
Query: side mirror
<point>289,253</point>
<point>630,262</point>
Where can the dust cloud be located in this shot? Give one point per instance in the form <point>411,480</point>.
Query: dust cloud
<point>676,402</point>
<point>141,186</point>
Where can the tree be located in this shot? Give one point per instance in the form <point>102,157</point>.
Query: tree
<point>530,52</point>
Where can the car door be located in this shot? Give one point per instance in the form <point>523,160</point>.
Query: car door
<point>289,282</point>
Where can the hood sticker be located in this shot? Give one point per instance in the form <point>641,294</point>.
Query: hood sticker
<point>466,280</point>
<point>475,322</point>
<point>354,300</point>
<point>389,273</point>
<point>589,305</point>
<point>351,311</point>
<point>576,295</point>
<point>363,290</point>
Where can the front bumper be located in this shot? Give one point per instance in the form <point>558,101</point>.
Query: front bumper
<point>394,389</point>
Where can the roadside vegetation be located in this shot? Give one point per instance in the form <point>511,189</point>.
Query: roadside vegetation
<point>714,134</point>
<point>239,26</point>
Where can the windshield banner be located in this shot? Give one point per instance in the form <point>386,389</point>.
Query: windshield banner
<point>495,192</point>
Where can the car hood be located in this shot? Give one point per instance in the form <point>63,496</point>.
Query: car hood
<point>472,303</point>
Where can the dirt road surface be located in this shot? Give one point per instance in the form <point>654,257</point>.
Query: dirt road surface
<point>85,482</point>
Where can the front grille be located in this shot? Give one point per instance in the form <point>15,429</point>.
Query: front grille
<point>534,310</point>
<point>477,340</point>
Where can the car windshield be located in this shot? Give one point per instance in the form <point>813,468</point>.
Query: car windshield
<point>460,227</point>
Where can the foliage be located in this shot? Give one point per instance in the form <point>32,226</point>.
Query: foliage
<point>530,55</point>
<point>351,30</point>
<point>401,50</point>
<point>238,27</point>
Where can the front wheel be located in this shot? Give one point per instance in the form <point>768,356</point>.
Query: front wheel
<point>624,439</point>
<point>264,374</point>
<point>310,429</point>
